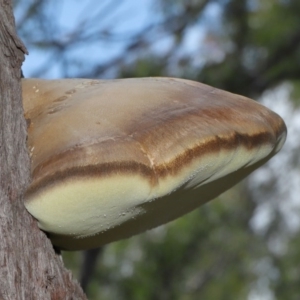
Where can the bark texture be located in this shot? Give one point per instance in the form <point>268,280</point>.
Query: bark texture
<point>29,267</point>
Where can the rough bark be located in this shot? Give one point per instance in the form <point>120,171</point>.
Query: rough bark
<point>29,267</point>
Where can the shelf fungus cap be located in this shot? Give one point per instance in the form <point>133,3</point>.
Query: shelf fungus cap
<point>111,159</point>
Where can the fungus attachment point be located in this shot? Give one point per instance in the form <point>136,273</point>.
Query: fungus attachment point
<point>114,158</point>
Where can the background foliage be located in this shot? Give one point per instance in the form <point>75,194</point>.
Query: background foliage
<point>245,244</point>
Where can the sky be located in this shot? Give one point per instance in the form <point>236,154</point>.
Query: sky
<point>126,16</point>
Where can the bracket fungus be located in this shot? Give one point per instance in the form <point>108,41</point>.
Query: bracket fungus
<point>113,158</point>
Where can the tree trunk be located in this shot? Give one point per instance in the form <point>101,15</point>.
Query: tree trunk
<point>29,267</point>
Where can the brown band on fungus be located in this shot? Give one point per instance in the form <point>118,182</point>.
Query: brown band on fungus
<point>171,168</point>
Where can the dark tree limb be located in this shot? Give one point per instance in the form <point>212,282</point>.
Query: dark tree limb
<point>88,266</point>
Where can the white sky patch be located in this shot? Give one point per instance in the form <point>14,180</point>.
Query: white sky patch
<point>192,41</point>
<point>163,45</point>
<point>266,273</point>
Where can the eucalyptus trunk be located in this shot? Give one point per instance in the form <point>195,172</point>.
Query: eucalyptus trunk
<point>29,267</point>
